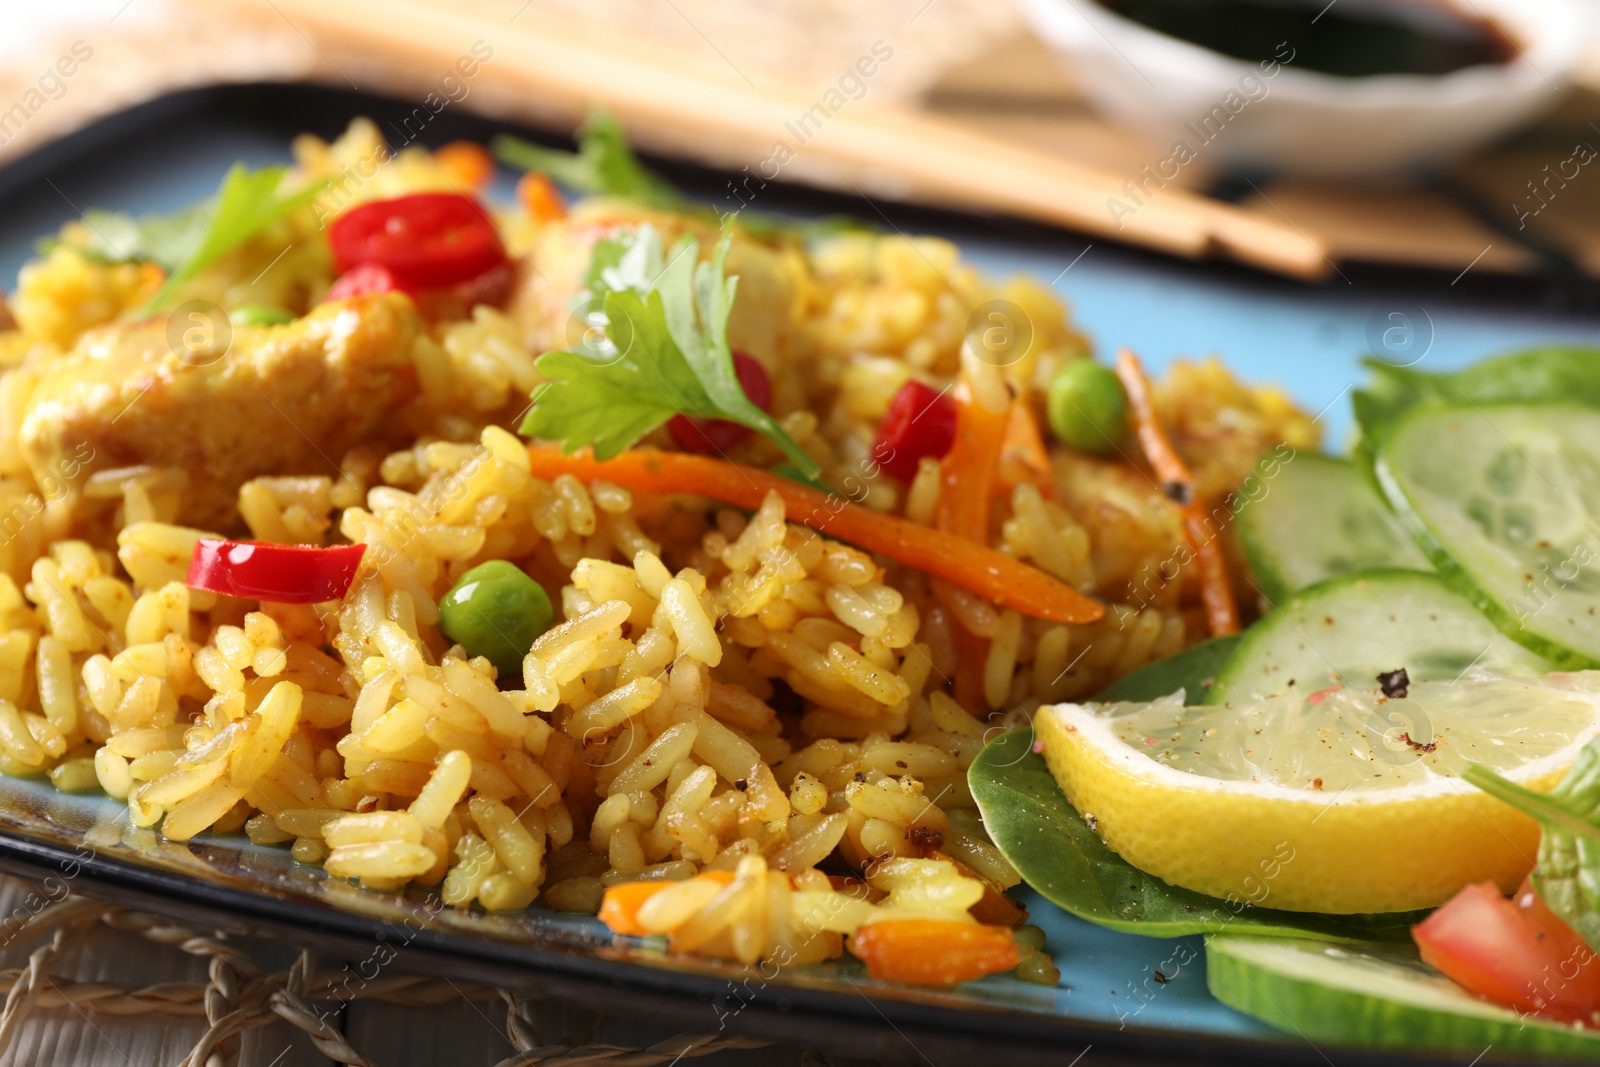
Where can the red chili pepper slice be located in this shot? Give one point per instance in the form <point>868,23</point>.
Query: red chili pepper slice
<point>921,421</point>
<point>282,574</point>
<point>426,240</point>
<point>714,436</point>
<point>365,279</point>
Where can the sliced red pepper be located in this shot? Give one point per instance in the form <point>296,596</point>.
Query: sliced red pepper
<point>715,436</point>
<point>426,239</point>
<point>364,280</point>
<point>282,574</point>
<point>921,422</point>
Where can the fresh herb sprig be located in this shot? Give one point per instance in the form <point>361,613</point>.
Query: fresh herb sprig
<point>665,319</point>
<point>603,165</point>
<point>1567,876</point>
<point>187,241</point>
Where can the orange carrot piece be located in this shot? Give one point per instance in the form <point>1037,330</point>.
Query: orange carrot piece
<point>970,565</point>
<point>1171,470</point>
<point>1216,588</point>
<point>933,951</point>
<point>538,195</point>
<point>967,473</point>
<point>467,163</point>
<point>1023,456</point>
<point>619,908</point>
<point>972,656</point>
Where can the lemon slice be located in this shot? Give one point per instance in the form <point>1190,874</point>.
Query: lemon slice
<point>1343,801</point>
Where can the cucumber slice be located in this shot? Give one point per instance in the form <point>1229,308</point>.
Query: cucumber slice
<point>1505,499</point>
<point>1319,518</point>
<point>1378,996</point>
<point>1346,631</point>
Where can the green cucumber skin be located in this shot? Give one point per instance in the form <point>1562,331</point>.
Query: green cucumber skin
<point>1455,575</point>
<point>1343,1017</point>
<point>1235,677</point>
<point>1271,580</point>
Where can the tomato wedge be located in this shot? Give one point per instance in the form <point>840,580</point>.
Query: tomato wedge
<point>425,240</point>
<point>282,574</point>
<point>1515,952</point>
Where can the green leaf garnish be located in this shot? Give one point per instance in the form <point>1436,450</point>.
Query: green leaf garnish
<point>247,203</point>
<point>666,353</point>
<point>1062,859</point>
<point>604,164</point>
<point>1567,876</point>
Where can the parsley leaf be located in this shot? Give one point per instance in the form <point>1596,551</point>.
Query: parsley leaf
<point>603,164</point>
<point>666,352</point>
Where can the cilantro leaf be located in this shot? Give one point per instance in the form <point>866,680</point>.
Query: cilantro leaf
<point>603,164</point>
<point>666,353</point>
<point>247,203</point>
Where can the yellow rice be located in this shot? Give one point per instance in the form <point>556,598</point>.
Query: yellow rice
<point>725,692</point>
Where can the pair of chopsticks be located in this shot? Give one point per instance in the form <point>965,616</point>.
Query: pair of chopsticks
<point>546,73</point>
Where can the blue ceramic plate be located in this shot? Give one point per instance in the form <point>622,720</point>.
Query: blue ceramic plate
<point>174,150</point>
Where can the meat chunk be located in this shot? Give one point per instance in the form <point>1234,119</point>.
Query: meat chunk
<point>286,399</point>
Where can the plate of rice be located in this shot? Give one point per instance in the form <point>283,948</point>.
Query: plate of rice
<point>605,590</point>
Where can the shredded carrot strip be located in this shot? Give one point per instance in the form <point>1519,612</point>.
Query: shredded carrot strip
<point>1216,588</point>
<point>967,473</point>
<point>972,655</point>
<point>970,565</point>
<point>467,163</point>
<point>536,193</point>
<point>968,476</point>
<point>1023,457</point>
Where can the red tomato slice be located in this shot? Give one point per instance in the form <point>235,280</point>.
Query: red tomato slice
<point>921,421</point>
<point>718,435</point>
<point>426,240</point>
<point>1515,952</point>
<point>282,574</point>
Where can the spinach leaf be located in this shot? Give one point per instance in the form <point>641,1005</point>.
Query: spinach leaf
<point>1056,853</point>
<point>1193,670</point>
<point>1567,876</point>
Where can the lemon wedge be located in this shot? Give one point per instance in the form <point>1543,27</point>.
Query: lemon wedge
<point>1343,801</point>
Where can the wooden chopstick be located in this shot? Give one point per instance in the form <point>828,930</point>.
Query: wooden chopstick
<point>546,72</point>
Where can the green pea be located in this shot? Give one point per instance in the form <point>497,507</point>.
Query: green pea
<point>496,611</point>
<point>260,315</point>
<point>1088,409</point>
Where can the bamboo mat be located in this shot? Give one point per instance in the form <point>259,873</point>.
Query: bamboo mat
<point>972,63</point>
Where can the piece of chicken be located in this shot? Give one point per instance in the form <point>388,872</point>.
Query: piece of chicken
<point>762,312</point>
<point>287,399</point>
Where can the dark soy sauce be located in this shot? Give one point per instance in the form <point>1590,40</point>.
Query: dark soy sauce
<point>1348,38</point>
